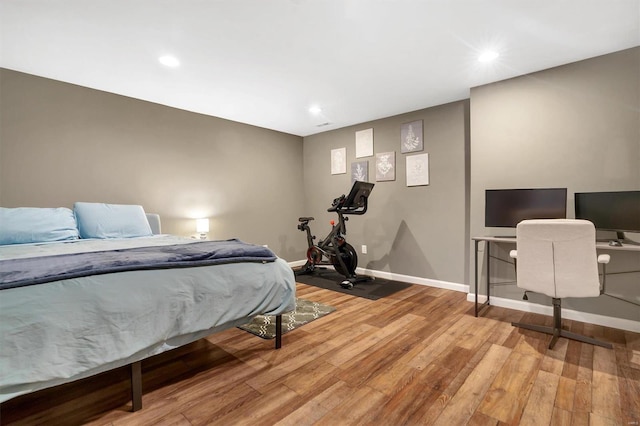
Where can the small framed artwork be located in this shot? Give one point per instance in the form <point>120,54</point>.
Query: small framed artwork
<point>411,137</point>
<point>417,170</point>
<point>364,143</point>
<point>360,171</point>
<point>338,161</point>
<point>385,166</point>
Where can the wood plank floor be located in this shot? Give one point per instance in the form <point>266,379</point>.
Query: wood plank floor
<point>418,357</point>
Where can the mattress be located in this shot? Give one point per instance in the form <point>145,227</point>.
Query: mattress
<point>65,330</point>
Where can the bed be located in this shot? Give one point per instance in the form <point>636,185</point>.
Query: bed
<point>80,320</point>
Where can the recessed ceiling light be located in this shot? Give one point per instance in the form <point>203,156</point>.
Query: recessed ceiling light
<point>315,110</point>
<point>488,56</point>
<point>169,61</point>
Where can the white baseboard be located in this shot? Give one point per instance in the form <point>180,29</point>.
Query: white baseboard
<point>297,263</point>
<point>619,323</point>
<point>519,305</point>
<point>399,277</point>
<point>414,280</point>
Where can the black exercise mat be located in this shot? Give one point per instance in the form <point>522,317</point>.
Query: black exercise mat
<point>374,289</point>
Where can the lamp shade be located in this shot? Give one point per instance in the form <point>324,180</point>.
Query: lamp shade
<point>202,225</point>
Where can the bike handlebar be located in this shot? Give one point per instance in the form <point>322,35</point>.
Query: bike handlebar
<point>337,203</point>
<point>338,206</point>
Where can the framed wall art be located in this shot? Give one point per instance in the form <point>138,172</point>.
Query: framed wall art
<point>360,171</point>
<point>411,137</point>
<point>338,161</point>
<point>385,166</point>
<point>364,143</point>
<point>417,169</point>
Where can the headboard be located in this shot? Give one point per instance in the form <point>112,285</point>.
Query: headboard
<point>154,222</point>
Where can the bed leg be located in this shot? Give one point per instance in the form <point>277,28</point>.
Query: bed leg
<point>278,331</point>
<point>136,386</point>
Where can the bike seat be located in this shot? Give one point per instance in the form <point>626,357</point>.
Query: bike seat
<point>305,219</point>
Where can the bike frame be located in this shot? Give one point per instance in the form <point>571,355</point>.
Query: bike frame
<point>329,246</point>
<point>334,249</point>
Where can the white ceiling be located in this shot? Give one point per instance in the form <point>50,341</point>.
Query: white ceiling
<point>265,62</point>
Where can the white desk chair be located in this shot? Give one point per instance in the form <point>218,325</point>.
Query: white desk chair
<point>557,257</point>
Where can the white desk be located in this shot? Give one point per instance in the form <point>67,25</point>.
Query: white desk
<point>600,245</point>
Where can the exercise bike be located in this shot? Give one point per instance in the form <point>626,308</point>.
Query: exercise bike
<point>334,249</point>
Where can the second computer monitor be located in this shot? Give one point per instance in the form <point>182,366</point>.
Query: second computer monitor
<point>610,211</point>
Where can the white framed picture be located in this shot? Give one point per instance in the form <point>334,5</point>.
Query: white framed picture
<point>360,171</point>
<point>417,170</point>
<point>338,161</point>
<point>411,137</point>
<point>385,166</point>
<point>364,143</point>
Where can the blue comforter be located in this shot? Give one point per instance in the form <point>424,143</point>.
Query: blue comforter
<point>38,270</point>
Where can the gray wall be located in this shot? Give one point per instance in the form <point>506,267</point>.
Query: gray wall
<point>61,143</point>
<point>575,126</point>
<point>418,231</point>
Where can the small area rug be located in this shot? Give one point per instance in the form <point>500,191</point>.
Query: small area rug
<point>373,289</point>
<point>306,311</point>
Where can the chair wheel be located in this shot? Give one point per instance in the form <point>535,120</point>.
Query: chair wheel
<point>346,284</point>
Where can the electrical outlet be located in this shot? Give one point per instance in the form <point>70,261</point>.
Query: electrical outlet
<point>364,249</point>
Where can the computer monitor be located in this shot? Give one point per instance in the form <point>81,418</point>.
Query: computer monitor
<point>617,211</point>
<point>505,208</point>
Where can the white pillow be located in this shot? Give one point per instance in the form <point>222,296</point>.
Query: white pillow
<point>98,220</point>
<point>23,225</point>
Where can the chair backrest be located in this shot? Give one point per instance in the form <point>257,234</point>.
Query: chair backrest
<point>557,257</point>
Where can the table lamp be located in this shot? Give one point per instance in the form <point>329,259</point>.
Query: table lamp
<point>202,227</point>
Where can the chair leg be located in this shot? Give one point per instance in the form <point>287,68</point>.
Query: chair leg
<point>585,339</point>
<point>557,331</point>
<point>557,322</point>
